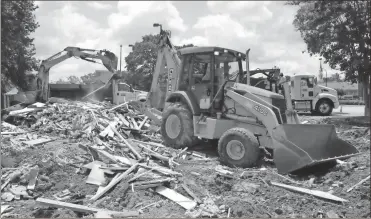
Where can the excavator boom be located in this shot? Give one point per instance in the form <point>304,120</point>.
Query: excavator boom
<point>108,59</point>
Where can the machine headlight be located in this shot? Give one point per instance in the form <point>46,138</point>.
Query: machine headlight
<point>225,51</point>
<point>216,53</point>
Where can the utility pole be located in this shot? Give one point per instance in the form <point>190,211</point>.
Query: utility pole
<point>120,57</point>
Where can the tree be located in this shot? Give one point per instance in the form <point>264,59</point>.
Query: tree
<point>89,78</point>
<point>69,80</point>
<point>17,49</point>
<point>339,31</point>
<point>141,62</point>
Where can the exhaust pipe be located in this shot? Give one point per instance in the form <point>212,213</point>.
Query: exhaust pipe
<point>247,67</point>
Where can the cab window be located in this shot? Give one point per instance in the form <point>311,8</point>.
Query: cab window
<point>310,82</point>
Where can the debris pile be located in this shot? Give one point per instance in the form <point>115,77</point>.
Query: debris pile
<point>77,159</point>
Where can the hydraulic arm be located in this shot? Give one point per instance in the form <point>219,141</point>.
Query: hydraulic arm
<point>166,55</point>
<point>108,59</point>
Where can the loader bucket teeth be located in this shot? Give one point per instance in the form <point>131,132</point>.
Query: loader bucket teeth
<point>299,146</point>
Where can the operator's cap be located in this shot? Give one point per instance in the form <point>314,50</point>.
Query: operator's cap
<point>281,74</point>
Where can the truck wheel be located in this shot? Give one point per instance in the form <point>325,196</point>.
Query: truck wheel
<point>237,147</point>
<point>324,107</point>
<point>177,126</point>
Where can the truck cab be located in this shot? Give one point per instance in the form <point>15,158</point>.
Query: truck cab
<point>122,92</point>
<point>308,96</point>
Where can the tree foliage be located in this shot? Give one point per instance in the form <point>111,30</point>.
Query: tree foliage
<point>339,31</point>
<point>89,78</point>
<point>69,80</point>
<point>17,49</point>
<point>141,62</point>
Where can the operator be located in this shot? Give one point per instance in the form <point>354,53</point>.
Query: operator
<point>281,79</point>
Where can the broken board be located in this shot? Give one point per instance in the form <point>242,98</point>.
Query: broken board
<point>81,208</point>
<point>176,197</point>
<point>317,193</point>
<point>38,141</point>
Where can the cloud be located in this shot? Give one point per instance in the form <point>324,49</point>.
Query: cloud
<point>265,27</point>
<point>99,5</point>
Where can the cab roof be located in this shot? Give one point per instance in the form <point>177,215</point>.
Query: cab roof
<point>207,49</point>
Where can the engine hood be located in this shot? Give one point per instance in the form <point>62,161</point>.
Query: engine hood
<point>259,92</point>
<point>329,90</point>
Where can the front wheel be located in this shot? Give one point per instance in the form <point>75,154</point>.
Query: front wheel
<point>238,147</point>
<point>324,107</point>
<point>177,126</point>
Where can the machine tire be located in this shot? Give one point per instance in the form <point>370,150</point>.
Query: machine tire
<point>185,137</point>
<point>322,102</point>
<point>250,145</point>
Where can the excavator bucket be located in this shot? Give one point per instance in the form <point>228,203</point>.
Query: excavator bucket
<point>299,146</point>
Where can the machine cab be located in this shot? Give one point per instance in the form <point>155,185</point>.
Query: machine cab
<point>204,71</point>
<point>303,87</point>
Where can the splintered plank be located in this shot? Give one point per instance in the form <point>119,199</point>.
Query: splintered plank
<point>114,181</point>
<point>81,208</point>
<point>38,141</point>
<point>176,197</point>
<point>317,193</point>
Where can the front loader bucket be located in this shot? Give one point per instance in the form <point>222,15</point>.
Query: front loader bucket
<point>298,146</point>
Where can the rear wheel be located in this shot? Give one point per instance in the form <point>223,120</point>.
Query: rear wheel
<point>177,126</point>
<point>237,147</point>
<point>324,107</point>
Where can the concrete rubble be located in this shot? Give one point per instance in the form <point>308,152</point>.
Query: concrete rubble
<point>84,159</point>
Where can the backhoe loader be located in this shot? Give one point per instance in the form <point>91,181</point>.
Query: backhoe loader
<point>204,98</point>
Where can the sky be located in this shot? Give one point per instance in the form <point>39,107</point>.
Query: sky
<point>263,26</point>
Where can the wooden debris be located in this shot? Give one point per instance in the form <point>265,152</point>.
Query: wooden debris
<point>143,122</point>
<point>162,170</point>
<point>118,106</point>
<point>149,143</point>
<point>114,182</point>
<point>134,123</point>
<point>146,186</point>
<point>13,176</point>
<point>33,177</point>
<point>96,176</point>
<point>317,193</point>
<point>38,141</point>
<point>81,208</point>
<point>359,183</point>
<point>5,208</point>
<point>102,214</point>
<point>155,181</point>
<point>25,110</point>
<point>116,159</point>
<point>14,133</point>
<point>290,180</point>
<point>108,130</point>
<point>140,209</point>
<point>189,191</point>
<point>176,197</point>
<point>101,165</point>
<point>155,154</point>
<point>7,196</point>
<point>127,143</point>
